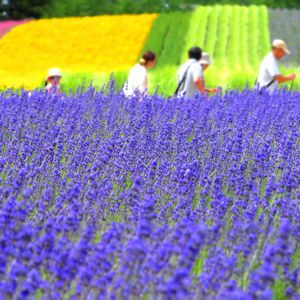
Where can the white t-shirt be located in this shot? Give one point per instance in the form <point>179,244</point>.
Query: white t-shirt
<point>137,81</point>
<point>195,71</point>
<point>269,68</point>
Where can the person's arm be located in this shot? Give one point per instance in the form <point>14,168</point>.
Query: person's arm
<point>201,85</point>
<point>281,78</point>
<point>274,71</point>
<point>212,90</point>
<point>198,78</point>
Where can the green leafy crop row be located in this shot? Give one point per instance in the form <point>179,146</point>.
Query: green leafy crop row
<point>237,38</point>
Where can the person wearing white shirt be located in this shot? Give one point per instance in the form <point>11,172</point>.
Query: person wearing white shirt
<point>138,82</point>
<point>269,76</point>
<point>190,75</point>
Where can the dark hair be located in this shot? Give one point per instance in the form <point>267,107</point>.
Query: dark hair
<point>147,57</point>
<point>196,53</point>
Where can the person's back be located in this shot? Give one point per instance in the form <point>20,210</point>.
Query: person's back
<point>137,80</point>
<point>190,75</point>
<point>193,71</point>
<point>268,69</point>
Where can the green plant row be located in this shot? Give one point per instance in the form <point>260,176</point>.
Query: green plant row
<point>237,38</point>
<point>233,35</point>
<point>197,30</point>
<point>168,39</point>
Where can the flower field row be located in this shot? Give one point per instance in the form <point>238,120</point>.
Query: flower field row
<point>103,197</point>
<point>90,44</point>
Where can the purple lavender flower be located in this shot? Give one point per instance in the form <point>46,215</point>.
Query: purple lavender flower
<point>103,197</point>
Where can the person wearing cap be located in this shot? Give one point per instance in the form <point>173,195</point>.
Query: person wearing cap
<point>270,76</point>
<point>138,82</point>
<point>205,62</point>
<point>52,84</point>
<point>190,76</point>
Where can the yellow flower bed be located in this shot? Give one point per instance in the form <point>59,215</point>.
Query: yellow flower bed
<point>89,44</point>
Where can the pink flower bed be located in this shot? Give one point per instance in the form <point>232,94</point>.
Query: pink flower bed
<point>6,26</point>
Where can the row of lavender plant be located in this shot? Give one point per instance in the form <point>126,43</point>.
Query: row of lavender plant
<point>104,197</point>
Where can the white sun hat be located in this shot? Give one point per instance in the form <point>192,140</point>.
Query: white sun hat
<point>280,44</point>
<point>54,72</point>
<point>205,59</point>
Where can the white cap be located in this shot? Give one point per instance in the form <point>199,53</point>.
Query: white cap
<point>54,72</point>
<point>280,44</point>
<point>205,59</point>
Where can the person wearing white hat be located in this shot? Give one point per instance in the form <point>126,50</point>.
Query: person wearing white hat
<point>205,62</point>
<point>53,81</point>
<point>269,76</point>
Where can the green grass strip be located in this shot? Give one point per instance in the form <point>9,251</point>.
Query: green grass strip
<point>168,39</point>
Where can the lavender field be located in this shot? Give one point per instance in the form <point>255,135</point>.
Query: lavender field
<point>104,197</point>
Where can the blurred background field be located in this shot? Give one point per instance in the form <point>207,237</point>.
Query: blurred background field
<point>20,9</point>
<point>93,50</point>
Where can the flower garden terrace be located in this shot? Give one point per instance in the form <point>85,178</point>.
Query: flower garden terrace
<point>115,198</point>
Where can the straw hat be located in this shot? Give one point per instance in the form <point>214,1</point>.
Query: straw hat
<point>280,44</point>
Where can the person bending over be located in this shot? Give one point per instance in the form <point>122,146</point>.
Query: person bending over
<point>269,76</point>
